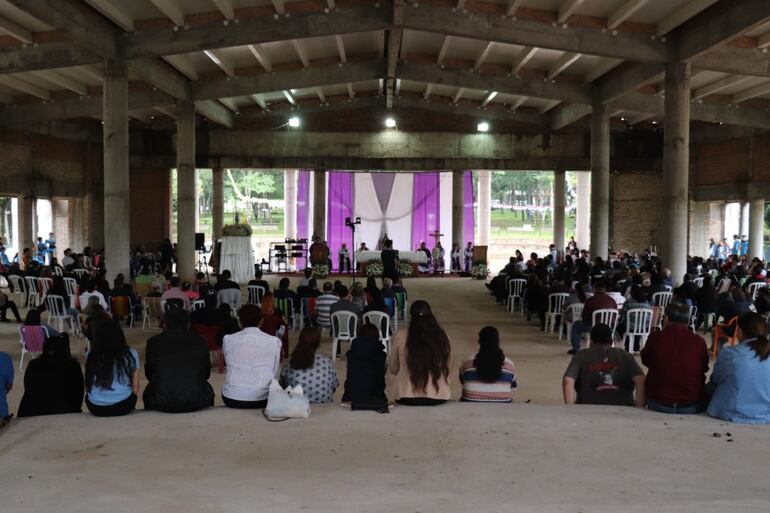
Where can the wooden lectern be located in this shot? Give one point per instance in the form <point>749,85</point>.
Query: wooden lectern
<point>479,255</point>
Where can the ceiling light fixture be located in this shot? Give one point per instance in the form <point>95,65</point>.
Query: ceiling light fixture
<point>294,122</point>
<point>483,127</point>
<point>390,123</point>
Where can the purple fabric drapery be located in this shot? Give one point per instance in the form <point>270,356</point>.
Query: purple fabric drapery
<point>425,209</point>
<point>469,213</point>
<point>303,191</point>
<point>340,205</point>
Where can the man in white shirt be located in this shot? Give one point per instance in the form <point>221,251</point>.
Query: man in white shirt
<point>253,360</point>
<point>91,291</point>
<point>67,260</point>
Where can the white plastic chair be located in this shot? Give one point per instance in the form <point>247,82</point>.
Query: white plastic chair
<point>57,313</point>
<point>555,309</point>
<point>151,309</point>
<point>19,290</point>
<point>33,293</point>
<point>43,285</point>
<point>698,282</point>
<point>516,294</point>
<point>256,293</point>
<point>343,327</point>
<point>662,299</point>
<point>57,271</point>
<point>693,318</point>
<point>577,312</point>
<point>724,285</point>
<point>79,273</point>
<point>638,325</point>
<point>72,290</point>
<point>606,316</point>
<point>382,321</point>
<point>198,304</point>
<point>754,289</point>
<point>230,296</point>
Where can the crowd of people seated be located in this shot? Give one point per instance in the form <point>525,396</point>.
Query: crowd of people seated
<point>735,311</point>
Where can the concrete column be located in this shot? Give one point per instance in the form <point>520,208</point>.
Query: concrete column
<point>583,210</point>
<point>61,212</point>
<point>676,168</point>
<point>290,201</point>
<point>757,229</point>
<point>218,202</point>
<point>319,203</point>
<point>698,237</point>
<point>600,180</point>
<point>458,208</point>
<point>186,186</point>
<point>117,227</point>
<point>485,205</point>
<point>745,218</point>
<point>559,199</point>
<point>26,217</point>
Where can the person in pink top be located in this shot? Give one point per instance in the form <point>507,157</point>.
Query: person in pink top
<point>176,293</point>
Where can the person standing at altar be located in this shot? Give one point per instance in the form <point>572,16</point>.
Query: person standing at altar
<point>438,258</point>
<point>424,268</point>
<point>468,254</point>
<point>319,252</point>
<point>344,258</point>
<point>390,262</point>
<point>455,256</point>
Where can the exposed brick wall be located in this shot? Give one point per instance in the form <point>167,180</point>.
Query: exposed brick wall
<point>150,198</point>
<point>721,163</point>
<point>637,210</point>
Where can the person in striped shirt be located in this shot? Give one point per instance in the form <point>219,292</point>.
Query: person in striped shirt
<point>489,377</point>
<point>323,305</point>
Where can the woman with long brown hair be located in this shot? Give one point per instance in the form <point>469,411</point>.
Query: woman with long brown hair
<point>742,375</point>
<point>311,370</point>
<point>420,359</point>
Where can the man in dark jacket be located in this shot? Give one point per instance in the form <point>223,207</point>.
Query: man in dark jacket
<point>177,367</point>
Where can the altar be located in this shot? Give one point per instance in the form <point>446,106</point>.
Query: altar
<point>413,258</point>
<point>237,257</point>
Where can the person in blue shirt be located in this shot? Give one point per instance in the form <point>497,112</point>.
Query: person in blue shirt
<point>744,245</point>
<point>742,375</point>
<point>4,258</point>
<point>6,383</point>
<point>736,245</point>
<point>112,372</point>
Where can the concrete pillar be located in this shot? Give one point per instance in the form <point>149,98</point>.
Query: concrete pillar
<point>26,217</point>
<point>186,186</point>
<point>745,218</point>
<point>676,168</point>
<point>290,203</point>
<point>583,210</point>
<point>218,202</point>
<point>698,237</point>
<point>61,212</point>
<point>559,199</point>
<point>485,205</point>
<point>458,208</point>
<point>600,180</point>
<point>116,183</point>
<point>757,229</point>
<point>319,203</point>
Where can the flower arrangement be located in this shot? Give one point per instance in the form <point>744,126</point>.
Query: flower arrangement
<point>237,230</point>
<point>480,272</point>
<point>320,271</point>
<point>405,269</point>
<point>374,270</point>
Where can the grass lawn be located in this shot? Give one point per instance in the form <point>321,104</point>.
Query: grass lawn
<point>510,225</point>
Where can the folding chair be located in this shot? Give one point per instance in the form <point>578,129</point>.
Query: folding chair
<point>516,294</point>
<point>555,308</point>
<point>343,327</point>
<point>256,293</point>
<point>31,339</point>
<point>720,333</point>
<point>286,306</point>
<point>577,312</point>
<point>58,314</point>
<point>382,321</point>
<point>638,324</point>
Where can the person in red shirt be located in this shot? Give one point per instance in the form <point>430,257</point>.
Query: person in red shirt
<point>677,360</point>
<point>599,301</point>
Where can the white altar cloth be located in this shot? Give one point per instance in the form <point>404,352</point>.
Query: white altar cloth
<point>238,258</point>
<point>412,257</point>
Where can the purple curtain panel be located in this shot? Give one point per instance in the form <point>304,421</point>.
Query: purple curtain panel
<point>425,209</point>
<point>303,190</point>
<point>339,206</point>
<point>470,212</point>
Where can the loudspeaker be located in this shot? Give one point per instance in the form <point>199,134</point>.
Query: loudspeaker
<point>200,242</point>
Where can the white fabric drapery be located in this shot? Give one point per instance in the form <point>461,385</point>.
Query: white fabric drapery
<point>238,258</point>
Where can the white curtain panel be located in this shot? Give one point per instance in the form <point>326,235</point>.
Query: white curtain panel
<point>445,213</point>
<point>311,207</point>
<point>399,212</point>
<point>368,209</point>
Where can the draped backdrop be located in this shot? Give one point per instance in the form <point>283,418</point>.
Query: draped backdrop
<point>408,207</point>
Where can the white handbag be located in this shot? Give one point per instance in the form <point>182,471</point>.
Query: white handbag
<point>290,403</point>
